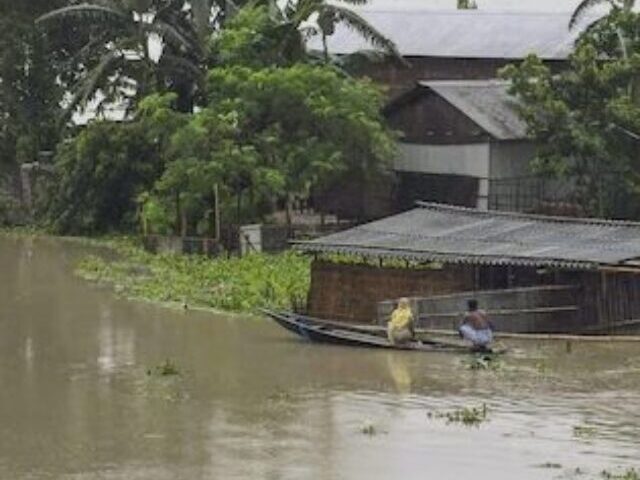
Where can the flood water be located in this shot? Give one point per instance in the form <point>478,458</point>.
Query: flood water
<point>253,402</point>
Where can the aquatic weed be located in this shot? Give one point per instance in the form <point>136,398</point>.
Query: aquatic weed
<point>468,416</point>
<point>583,431</point>
<point>483,362</point>
<point>165,369</point>
<point>231,284</point>
<point>550,465</point>
<point>630,474</point>
<point>368,428</point>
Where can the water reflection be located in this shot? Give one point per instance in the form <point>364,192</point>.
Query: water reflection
<point>253,402</point>
<point>399,372</point>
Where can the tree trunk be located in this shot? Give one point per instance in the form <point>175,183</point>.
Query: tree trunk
<point>178,213</point>
<point>289,212</point>
<point>183,224</point>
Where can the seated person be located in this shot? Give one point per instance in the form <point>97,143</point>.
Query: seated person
<point>476,326</point>
<point>400,327</point>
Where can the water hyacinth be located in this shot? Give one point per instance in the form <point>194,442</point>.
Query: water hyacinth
<point>231,284</point>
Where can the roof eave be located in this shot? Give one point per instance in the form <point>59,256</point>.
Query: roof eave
<point>451,259</point>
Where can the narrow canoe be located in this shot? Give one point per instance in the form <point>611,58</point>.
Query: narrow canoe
<point>317,330</point>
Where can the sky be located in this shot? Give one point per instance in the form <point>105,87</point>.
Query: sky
<point>524,5</point>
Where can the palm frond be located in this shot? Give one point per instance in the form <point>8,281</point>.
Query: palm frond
<point>176,65</point>
<point>582,9</point>
<point>174,37</point>
<point>355,2</point>
<point>201,15</point>
<point>86,88</point>
<point>355,22</point>
<point>85,12</point>
<point>304,9</point>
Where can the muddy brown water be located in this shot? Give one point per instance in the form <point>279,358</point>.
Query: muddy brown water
<point>254,402</point>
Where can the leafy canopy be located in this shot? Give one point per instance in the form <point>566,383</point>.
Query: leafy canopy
<point>587,119</point>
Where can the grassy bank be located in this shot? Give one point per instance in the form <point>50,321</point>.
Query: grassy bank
<point>229,284</point>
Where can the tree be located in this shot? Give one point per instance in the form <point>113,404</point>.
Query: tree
<point>300,20</point>
<point>271,134</point>
<point>586,119</point>
<point>100,173</point>
<point>29,81</point>
<point>467,5</point>
<point>135,47</point>
<point>586,5</point>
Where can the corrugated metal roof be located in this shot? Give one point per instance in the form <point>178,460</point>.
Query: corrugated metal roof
<point>434,232</point>
<point>463,33</point>
<point>486,102</point>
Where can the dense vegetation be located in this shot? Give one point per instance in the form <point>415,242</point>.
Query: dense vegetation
<point>587,118</point>
<point>230,284</point>
<point>225,104</point>
<point>216,98</point>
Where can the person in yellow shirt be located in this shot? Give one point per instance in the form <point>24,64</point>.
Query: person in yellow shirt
<point>400,327</point>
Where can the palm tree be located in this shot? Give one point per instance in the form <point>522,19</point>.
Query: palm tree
<point>209,14</point>
<point>297,18</point>
<point>586,5</point>
<point>134,46</point>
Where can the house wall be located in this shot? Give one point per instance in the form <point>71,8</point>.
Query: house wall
<point>398,78</point>
<point>450,189</point>
<point>427,118</point>
<point>357,198</point>
<point>539,309</point>
<point>610,302</point>
<point>351,292</point>
<point>466,161</point>
<point>511,159</point>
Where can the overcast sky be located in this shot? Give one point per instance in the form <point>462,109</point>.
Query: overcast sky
<point>535,5</point>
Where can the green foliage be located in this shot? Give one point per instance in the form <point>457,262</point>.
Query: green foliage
<point>117,60</point>
<point>483,362</point>
<point>252,38</point>
<point>584,431</point>
<point>268,134</point>
<point>100,173</point>
<point>307,18</point>
<point>11,212</point>
<point>467,5</point>
<point>586,119</point>
<point>230,284</point>
<point>585,5</point>
<point>29,88</point>
<point>268,129</point>
<point>630,474</point>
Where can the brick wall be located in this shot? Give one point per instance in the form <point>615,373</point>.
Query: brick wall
<point>351,292</point>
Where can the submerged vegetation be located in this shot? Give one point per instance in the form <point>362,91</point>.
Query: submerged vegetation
<point>584,431</point>
<point>483,362</point>
<point>630,474</point>
<point>231,284</point>
<point>165,369</point>
<point>468,416</point>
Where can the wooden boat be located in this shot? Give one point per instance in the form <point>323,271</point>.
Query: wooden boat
<point>321,331</point>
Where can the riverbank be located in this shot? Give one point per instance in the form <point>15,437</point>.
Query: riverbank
<point>228,284</point>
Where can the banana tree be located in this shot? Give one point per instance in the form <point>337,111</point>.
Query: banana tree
<point>134,47</point>
<point>302,19</point>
